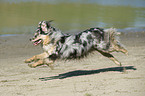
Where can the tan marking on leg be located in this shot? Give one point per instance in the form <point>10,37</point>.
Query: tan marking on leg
<point>30,59</point>
<point>115,61</point>
<point>38,63</point>
<point>36,57</point>
<point>49,63</point>
<point>42,56</point>
<point>124,51</point>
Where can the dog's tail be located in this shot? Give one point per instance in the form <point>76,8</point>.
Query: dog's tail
<point>111,38</point>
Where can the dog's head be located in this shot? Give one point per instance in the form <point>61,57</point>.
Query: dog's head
<point>41,34</point>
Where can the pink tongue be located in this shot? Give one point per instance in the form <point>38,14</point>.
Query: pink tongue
<point>36,43</point>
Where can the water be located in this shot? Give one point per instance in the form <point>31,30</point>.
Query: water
<point>6,35</point>
<point>22,16</point>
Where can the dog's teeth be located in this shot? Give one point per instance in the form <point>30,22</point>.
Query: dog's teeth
<point>39,41</point>
<point>36,43</point>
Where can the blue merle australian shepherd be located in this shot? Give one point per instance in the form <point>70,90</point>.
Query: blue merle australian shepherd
<point>57,45</point>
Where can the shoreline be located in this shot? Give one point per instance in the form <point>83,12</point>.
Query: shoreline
<point>123,31</point>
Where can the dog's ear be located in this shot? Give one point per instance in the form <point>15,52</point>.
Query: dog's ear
<point>48,23</point>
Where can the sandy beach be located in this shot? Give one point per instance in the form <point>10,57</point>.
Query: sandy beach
<point>92,76</point>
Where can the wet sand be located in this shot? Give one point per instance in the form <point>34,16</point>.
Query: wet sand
<point>92,76</point>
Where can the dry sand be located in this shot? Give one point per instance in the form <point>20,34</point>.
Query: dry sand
<point>92,76</point>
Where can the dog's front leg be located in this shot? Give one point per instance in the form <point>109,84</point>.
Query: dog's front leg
<point>49,63</point>
<point>42,62</point>
<point>36,57</point>
<point>38,63</point>
<point>30,59</point>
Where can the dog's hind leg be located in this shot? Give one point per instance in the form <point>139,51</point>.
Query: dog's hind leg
<point>111,38</point>
<point>111,57</point>
<point>123,50</point>
<point>119,48</point>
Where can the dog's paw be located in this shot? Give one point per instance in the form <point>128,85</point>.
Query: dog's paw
<point>32,65</point>
<point>27,61</point>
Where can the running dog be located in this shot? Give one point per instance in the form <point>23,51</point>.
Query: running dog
<point>57,45</point>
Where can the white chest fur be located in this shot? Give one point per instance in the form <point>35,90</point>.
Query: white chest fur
<point>48,48</point>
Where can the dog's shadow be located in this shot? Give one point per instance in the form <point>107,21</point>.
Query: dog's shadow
<point>87,72</point>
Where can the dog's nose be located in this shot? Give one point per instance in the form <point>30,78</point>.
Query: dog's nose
<point>30,39</point>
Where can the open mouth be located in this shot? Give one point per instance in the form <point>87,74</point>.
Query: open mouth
<point>37,42</point>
